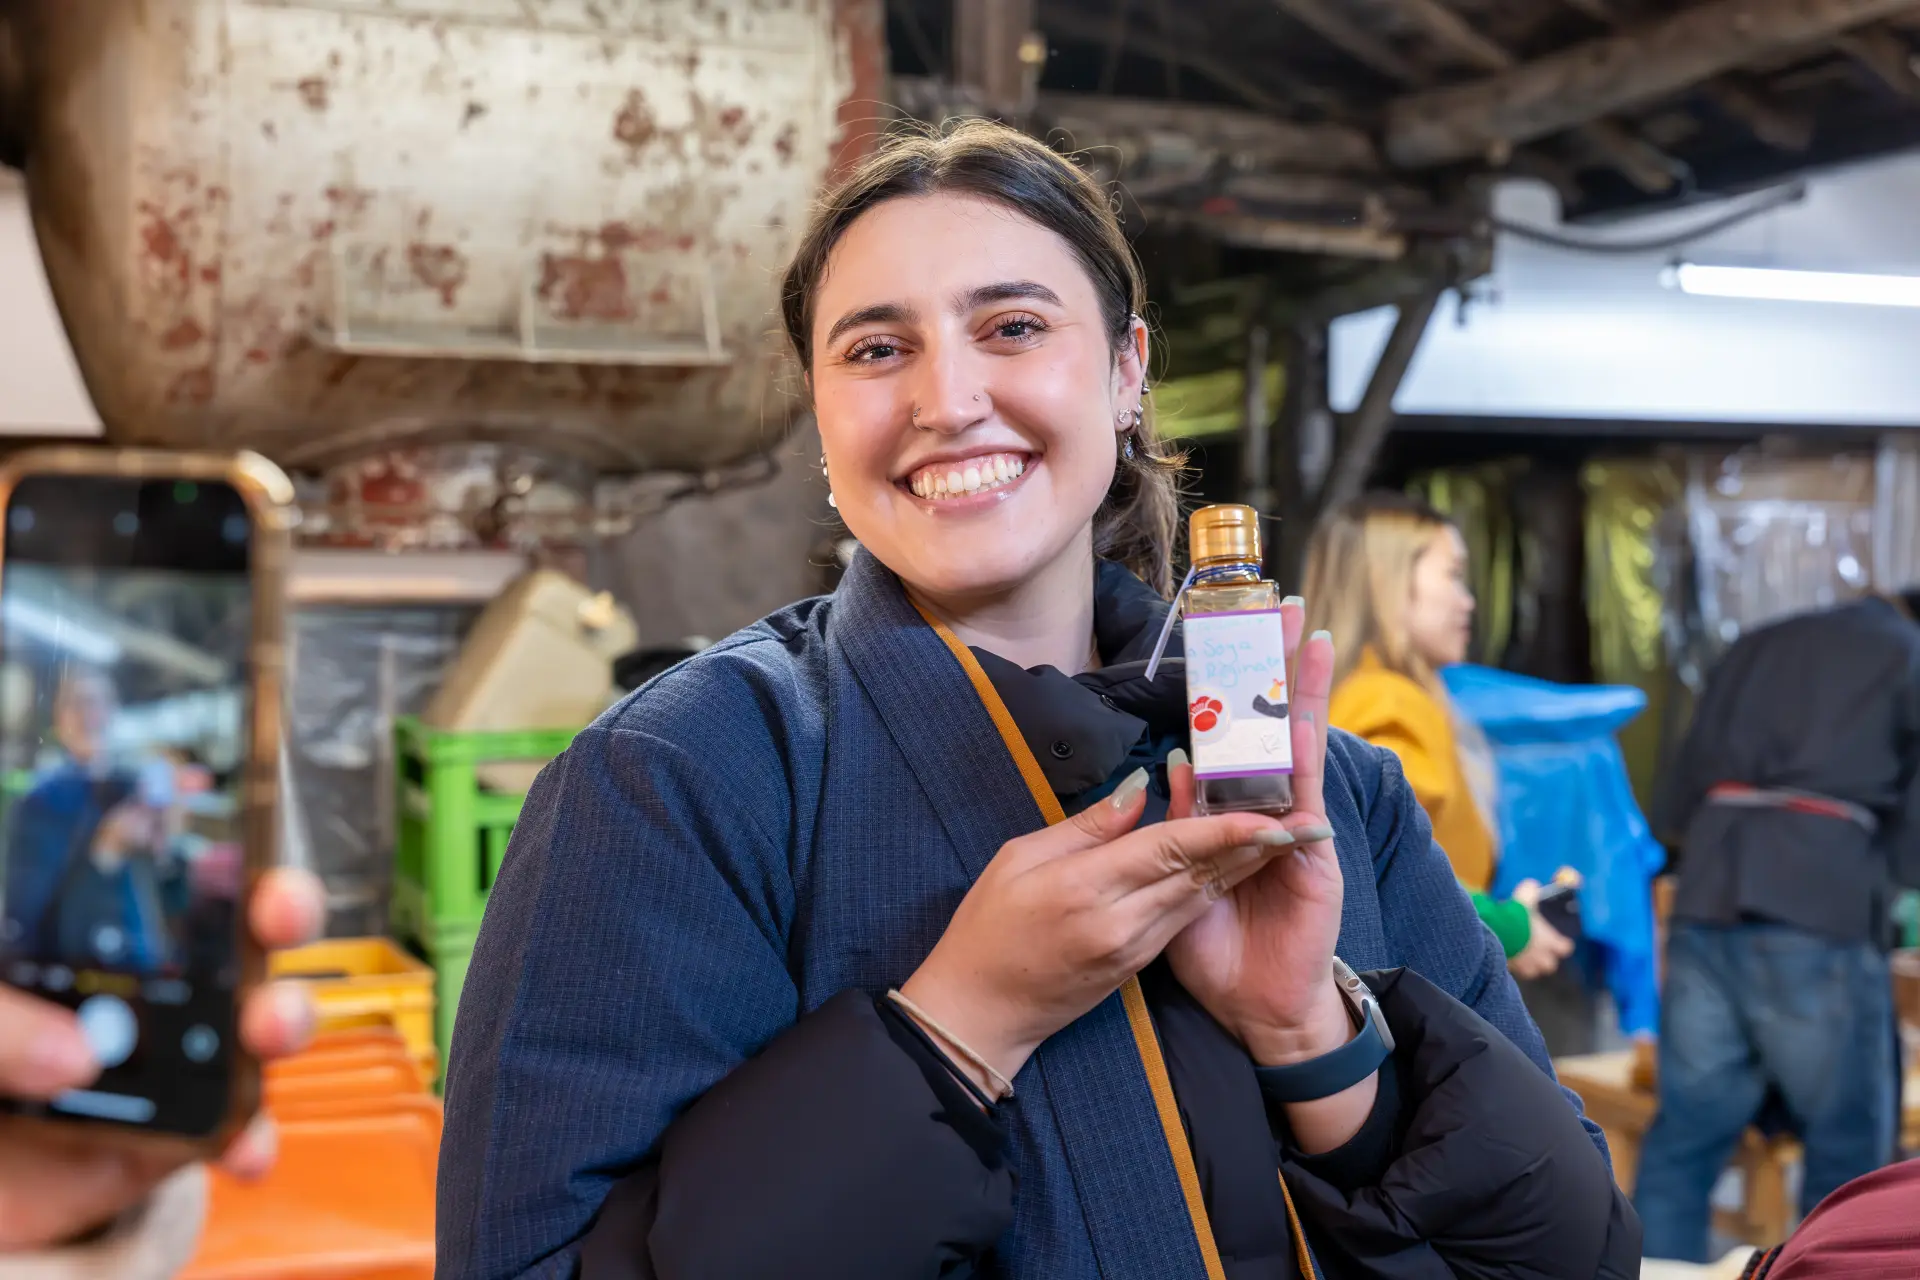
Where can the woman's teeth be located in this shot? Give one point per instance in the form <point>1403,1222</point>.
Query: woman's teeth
<point>975,475</point>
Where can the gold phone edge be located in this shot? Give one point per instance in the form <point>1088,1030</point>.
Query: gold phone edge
<point>269,496</point>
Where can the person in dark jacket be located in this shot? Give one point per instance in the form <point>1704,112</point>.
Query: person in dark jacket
<point>878,940</point>
<point>1796,803</point>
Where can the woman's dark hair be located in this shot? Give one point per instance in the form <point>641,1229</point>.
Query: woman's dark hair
<point>1139,520</point>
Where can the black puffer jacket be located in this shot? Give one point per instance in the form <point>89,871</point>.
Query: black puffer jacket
<point>1474,1166</point>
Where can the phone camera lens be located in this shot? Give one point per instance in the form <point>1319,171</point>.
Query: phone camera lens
<point>126,524</point>
<point>22,520</point>
<point>235,529</point>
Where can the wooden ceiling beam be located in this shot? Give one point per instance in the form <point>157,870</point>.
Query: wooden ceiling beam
<point>1775,126</point>
<point>1100,31</point>
<point>1642,163</point>
<point>1612,73</point>
<point>1886,55</point>
<point>1328,20</point>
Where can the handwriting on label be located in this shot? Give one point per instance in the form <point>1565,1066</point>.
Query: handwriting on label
<point>1224,662</point>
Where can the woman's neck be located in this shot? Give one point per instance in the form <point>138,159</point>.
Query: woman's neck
<point>1045,621</point>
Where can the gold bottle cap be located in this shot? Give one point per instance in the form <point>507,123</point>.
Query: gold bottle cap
<point>1225,534</point>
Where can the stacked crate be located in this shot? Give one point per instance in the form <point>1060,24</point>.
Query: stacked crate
<point>450,835</point>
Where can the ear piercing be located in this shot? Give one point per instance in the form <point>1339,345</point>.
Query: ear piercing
<point>831,500</point>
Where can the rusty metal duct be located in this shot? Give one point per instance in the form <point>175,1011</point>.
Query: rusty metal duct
<point>317,228</point>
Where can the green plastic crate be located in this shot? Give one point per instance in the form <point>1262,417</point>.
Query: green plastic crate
<point>449,838</point>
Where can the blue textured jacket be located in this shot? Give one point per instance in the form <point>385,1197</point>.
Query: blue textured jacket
<point>792,814</point>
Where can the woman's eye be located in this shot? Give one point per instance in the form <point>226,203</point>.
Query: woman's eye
<point>871,351</point>
<point>1018,328</point>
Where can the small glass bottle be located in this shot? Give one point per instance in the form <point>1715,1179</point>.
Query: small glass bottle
<point>1236,669</point>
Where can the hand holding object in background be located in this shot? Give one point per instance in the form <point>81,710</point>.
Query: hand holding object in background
<point>57,1181</point>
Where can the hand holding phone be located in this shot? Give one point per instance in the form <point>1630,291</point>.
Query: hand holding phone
<point>141,601</point>
<point>1558,903</point>
<point>59,1181</point>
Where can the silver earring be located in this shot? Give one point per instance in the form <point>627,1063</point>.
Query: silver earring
<point>1126,447</point>
<point>831,501</point>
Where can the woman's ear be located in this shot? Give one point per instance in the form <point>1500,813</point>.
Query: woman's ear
<point>1130,369</point>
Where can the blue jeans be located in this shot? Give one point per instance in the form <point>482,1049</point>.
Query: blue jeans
<point>1762,1014</point>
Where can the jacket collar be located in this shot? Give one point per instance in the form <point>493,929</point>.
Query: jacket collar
<point>1090,1076</point>
<point>1082,728</point>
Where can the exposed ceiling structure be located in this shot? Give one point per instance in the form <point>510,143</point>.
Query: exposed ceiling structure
<point>1620,104</point>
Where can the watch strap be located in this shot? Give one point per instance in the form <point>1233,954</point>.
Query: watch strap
<point>1341,1069</point>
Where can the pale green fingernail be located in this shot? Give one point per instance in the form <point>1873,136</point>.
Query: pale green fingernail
<point>1297,600</point>
<point>1278,837</point>
<point>1321,635</point>
<point>1177,759</point>
<point>1128,791</point>
<point>1312,835</point>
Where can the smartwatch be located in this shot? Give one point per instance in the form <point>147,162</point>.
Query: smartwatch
<point>1352,1062</point>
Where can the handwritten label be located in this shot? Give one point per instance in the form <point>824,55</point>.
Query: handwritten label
<point>1237,694</point>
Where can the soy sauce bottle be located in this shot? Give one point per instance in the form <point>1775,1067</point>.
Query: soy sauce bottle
<point>1236,664</point>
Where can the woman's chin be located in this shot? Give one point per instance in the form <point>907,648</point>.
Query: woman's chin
<point>974,569</point>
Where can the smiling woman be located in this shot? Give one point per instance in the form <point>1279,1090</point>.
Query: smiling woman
<point>879,940</point>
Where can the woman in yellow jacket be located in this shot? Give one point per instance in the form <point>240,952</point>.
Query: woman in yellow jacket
<point>1387,575</point>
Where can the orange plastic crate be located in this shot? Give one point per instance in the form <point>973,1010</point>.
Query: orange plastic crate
<point>352,1198</point>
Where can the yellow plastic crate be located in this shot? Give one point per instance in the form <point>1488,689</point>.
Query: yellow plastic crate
<point>363,982</point>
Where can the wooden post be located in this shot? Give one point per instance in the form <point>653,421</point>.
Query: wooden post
<point>1299,448</point>
<point>1574,86</point>
<point>987,40</point>
<point>1367,428</point>
<point>1256,426</point>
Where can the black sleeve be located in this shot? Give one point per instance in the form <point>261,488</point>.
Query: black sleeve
<point>1901,835</point>
<point>1365,1156</point>
<point>842,1149</point>
<point>1487,1171</point>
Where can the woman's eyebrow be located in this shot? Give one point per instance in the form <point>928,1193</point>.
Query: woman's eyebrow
<point>878,313</point>
<point>1005,291</point>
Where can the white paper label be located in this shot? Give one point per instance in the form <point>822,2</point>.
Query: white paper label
<point>1237,694</point>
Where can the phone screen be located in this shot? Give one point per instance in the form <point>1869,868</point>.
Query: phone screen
<point>125,620</point>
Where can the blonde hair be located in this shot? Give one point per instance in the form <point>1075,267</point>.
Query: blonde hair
<point>1359,582</point>
<point>1360,567</point>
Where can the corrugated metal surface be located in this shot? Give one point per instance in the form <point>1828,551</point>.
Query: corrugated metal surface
<point>320,228</point>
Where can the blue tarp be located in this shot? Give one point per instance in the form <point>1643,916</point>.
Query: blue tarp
<point>1565,802</point>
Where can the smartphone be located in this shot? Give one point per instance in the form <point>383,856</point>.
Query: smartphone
<point>1559,906</point>
<point>140,670</point>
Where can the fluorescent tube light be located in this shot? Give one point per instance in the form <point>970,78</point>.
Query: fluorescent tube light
<point>1777,285</point>
<point>51,627</point>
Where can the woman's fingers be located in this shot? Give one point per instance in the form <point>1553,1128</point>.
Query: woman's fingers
<point>1312,690</point>
<point>42,1052</point>
<point>1293,621</point>
<point>277,1020</point>
<point>288,908</point>
<point>252,1155</point>
<point>1174,848</point>
<point>56,1184</point>
<point>1179,784</point>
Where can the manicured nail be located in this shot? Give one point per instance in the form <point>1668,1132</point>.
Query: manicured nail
<point>1313,834</point>
<point>1177,759</point>
<point>1294,600</point>
<point>1276,837</point>
<point>1128,791</point>
<point>1322,635</point>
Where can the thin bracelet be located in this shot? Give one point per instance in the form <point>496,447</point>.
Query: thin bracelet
<point>1003,1087</point>
<point>924,1038</point>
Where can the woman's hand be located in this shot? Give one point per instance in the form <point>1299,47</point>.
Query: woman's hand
<point>1261,959</point>
<point>1546,946</point>
<point>1060,918</point>
<point>57,1181</point>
